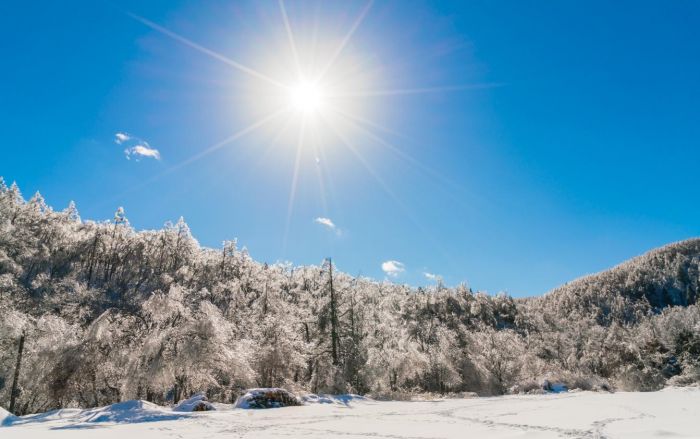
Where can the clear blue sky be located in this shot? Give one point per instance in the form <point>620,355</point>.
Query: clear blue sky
<point>576,147</point>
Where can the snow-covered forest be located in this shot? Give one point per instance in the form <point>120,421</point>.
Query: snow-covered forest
<point>93,313</point>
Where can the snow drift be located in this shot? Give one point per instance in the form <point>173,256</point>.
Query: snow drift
<point>5,416</point>
<point>133,411</point>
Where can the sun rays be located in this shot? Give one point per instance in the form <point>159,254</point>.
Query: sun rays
<point>204,50</point>
<point>314,92</point>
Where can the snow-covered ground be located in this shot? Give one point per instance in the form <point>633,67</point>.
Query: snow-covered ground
<point>671,413</point>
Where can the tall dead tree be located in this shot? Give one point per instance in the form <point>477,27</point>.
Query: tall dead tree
<point>15,381</point>
<point>335,339</point>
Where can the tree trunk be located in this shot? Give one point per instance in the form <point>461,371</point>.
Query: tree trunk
<point>15,380</point>
<point>334,317</point>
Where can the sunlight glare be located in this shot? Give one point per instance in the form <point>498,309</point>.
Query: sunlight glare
<point>306,97</point>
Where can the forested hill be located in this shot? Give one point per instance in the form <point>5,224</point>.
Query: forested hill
<point>103,313</point>
<point>666,276</point>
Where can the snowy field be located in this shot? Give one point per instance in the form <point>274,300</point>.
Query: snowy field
<point>671,413</point>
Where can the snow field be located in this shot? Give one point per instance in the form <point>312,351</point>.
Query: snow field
<point>673,412</point>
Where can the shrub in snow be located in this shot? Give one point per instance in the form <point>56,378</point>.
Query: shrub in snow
<point>636,379</point>
<point>197,403</point>
<point>689,377</point>
<point>528,388</point>
<point>267,398</point>
<point>398,395</point>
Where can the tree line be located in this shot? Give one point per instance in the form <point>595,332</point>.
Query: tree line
<point>92,313</point>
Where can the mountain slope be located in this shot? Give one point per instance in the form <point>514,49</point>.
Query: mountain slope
<point>663,277</point>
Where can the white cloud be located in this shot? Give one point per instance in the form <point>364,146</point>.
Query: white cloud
<point>136,148</point>
<point>325,222</point>
<point>393,268</point>
<point>329,224</point>
<point>142,150</point>
<point>120,138</point>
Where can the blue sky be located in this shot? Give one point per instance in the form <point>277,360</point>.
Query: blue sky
<point>558,138</point>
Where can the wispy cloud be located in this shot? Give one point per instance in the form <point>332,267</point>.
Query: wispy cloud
<point>393,268</point>
<point>431,276</point>
<point>120,138</point>
<point>137,148</point>
<point>140,151</point>
<point>327,222</point>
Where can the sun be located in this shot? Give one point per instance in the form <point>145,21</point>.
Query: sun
<point>314,93</point>
<point>306,97</point>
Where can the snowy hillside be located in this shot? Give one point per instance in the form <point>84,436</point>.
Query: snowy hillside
<point>672,412</point>
<point>98,313</point>
<point>662,277</point>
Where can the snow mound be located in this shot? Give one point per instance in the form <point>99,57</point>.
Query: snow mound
<point>267,398</point>
<point>129,412</point>
<point>6,417</point>
<point>343,399</point>
<point>312,398</point>
<point>40,418</point>
<point>197,403</point>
